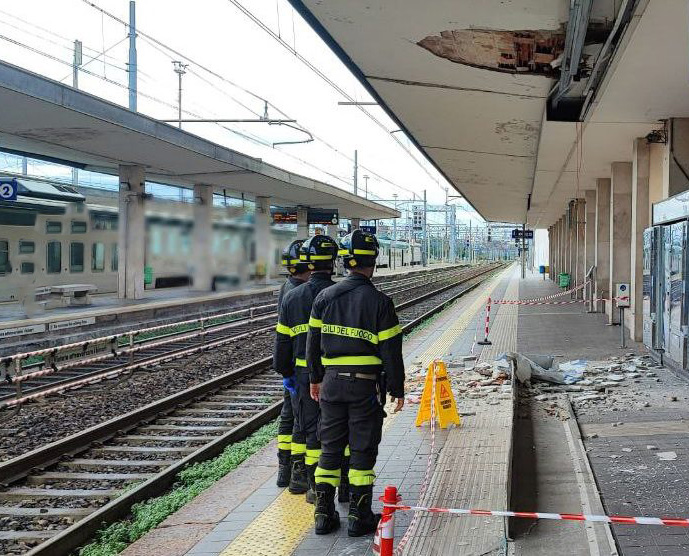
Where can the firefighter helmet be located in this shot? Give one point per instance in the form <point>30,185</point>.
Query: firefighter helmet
<point>359,249</point>
<point>318,252</point>
<point>290,258</point>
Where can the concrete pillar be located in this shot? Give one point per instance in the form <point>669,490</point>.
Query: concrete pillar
<point>551,258</point>
<point>602,257</point>
<point>589,234</point>
<point>572,241</point>
<point>202,239</point>
<point>640,221</point>
<point>263,238</point>
<point>563,244</point>
<point>657,176</point>
<point>355,223</point>
<point>555,265</point>
<point>131,239</point>
<point>302,222</point>
<point>620,230</point>
<point>580,258</point>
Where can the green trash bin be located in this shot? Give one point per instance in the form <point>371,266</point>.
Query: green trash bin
<point>563,280</point>
<point>148,275</point>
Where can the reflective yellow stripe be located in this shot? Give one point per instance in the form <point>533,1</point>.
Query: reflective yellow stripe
<point>287,262</point>
<point>350,332</point>
<point>352,360</point>
<point>285,442</point>
<point>364,252</point>
<point>299,329</point>
<point>361,478</point>
<point>347,452</point>
<point>389,333</point>
<point>329,476</point>
<point>300,362</point>
<point>342,252</point>
<point>312,456</point>
<point>316,257</point>
<point>282,329</point>
<point>298,449</point>
<point>315,323</point>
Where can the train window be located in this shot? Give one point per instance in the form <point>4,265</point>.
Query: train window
<point>27,268</point>
<point>98,257</point>
<point>156,242</point>
<point>27,247</point>
<point>5,265</point>
<point>78,227</point>
<point>52,227</point>
<point>114,258</point>
<point>76,257</point>
<point>54,257</point>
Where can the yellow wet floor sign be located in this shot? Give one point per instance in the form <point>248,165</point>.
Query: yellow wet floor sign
<point>445,406</point>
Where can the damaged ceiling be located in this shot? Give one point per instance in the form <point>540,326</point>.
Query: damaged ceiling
<point>492,90</point>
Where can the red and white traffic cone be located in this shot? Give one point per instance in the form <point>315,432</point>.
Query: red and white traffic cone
<point>486,341</point>
<point>384,538</point>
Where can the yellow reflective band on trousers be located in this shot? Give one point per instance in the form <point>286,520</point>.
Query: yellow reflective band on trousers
<point>347,452</point>
<point>312,455</point>
<point>352,360</point>
<point>315,323</point>
<point>282,329</point>
<point>328,476</point>
<point>285,442</point>
<point>364,251</point>
<point>300,362</point>
<point>361,478</point>
<point>298,449</point>
<point>349,332</point>
<point>389,333</point>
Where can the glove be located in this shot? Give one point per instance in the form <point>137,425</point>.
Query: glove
<point>290,385</point>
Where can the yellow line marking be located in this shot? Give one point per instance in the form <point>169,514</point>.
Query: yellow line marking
<point>280,528</point>
<point>277,531</point>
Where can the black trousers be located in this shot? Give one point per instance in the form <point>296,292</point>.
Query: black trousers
<point>289,426</point>
<point>307,413</point>
<point>350,414</point>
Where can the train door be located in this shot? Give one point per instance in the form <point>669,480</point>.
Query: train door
<point>675,268</point>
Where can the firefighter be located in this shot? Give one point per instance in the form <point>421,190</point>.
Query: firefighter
<point>354,354</point>
<point>298,274</point>
<point>319,253</point>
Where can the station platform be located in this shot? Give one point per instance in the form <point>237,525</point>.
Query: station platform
<point>109,315</point>
<point>533,447</point>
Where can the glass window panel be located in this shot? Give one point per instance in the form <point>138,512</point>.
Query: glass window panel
<point>27,247</point>
<point>114,258</point>
<point>76,257</point>
<point>53,227</point>
<point>98,257</point>
<point>27,268</point>
<point>78,227</point>
<point>54,257</point>
<point>5,265</point>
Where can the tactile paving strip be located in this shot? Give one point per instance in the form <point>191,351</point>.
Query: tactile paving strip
<point>472,469</point>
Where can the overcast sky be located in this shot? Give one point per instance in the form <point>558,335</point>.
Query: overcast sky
<point>218,36</point>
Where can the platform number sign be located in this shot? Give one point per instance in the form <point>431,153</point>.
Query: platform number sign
<point>8,190</point>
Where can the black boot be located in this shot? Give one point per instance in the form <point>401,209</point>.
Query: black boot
<point>284,468</point>
<point>343,489</point>
<point>326,517</point>
<point>298,483</point>
<point>310,476</point>
<point>361,520</point>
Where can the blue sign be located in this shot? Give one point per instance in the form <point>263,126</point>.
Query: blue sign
<point>8,189</point>
<point>368,229</point>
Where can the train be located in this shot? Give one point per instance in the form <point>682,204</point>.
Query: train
<point>54,234</point>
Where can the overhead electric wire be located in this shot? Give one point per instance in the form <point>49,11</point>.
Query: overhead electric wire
<point>323,76</point>
<point>150,39</point>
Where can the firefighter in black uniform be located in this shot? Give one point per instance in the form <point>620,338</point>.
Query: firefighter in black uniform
<point>319,253</point>
<point>354,354</point>
<point>299,274</point>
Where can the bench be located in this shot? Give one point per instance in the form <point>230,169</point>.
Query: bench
<point>71,295</point>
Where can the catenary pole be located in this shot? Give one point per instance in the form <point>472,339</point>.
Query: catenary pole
<point>132,68</point>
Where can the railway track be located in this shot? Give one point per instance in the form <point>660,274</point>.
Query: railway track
<point>59,495</point>
<point>82,363</point>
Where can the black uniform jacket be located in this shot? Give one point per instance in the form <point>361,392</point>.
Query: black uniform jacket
<point>293,324</point>
<point>354,328</point>
<point>288,286</point>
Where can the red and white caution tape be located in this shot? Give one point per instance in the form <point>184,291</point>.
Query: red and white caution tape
<point>616,519</point>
